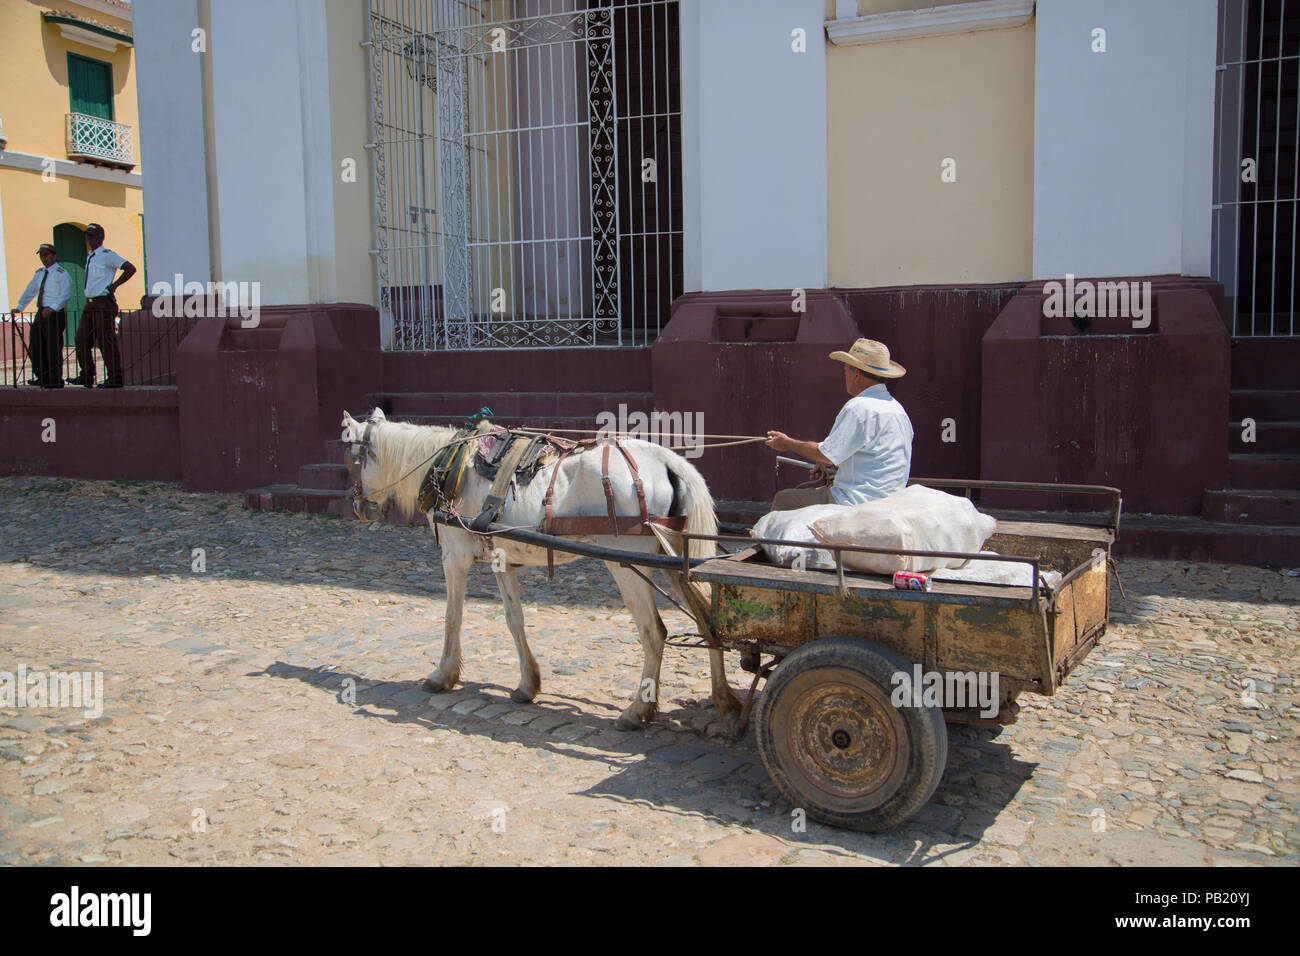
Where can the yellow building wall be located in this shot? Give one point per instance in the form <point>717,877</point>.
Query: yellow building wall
<point>33,109</point>
<point>895,111</point>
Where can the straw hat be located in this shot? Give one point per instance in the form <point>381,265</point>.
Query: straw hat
<point>872,357</point>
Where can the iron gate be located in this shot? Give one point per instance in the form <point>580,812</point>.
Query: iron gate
<point>527,171</point>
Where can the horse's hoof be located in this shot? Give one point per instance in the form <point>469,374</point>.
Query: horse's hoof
<point>432,685</point>
<point>521,696</point>
<point>631,720</point>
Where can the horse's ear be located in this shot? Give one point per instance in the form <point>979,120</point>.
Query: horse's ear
<point>349,428</point>
<point>377,415</point>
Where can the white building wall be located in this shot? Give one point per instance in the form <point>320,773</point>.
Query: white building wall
<point>753,144</point>
<point>1123,140</point>
<point>172,148</point>
<point>270,98</point>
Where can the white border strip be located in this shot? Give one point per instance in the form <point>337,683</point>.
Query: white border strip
<point>66,169</point>
<point>931,22</point>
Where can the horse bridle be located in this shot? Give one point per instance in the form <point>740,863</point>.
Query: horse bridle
<point>363,506</point>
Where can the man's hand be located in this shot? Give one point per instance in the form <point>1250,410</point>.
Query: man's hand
<point>46,312</point>
<point>822,473</point>
<point>13,313</point>
<point>779,441</point>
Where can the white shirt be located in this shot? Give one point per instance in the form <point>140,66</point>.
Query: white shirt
<point>101,265</point>
<point>58,289</point>
<point>871,445</point>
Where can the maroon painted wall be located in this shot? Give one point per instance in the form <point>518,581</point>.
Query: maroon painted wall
<point>255,404</point>
<point>131,433</point>
<point>1144,411</point>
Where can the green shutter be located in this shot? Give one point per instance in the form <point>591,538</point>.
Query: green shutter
<point>90,86</point>
<point>70,247</point>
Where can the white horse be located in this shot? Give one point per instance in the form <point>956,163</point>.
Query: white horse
<point>394,466</point>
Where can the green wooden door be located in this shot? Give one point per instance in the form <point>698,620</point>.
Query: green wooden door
<point>90,86</point>
<point>70,247</point>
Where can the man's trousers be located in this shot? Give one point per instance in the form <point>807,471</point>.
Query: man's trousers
<point>46,348</point>
<point>97,329</point>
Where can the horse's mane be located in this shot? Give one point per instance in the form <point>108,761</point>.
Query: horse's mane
<point>403,452</point>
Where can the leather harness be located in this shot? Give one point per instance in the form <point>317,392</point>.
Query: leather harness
<point>519,461</point>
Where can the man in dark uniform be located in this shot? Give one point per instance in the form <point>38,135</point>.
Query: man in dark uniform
<point>51,287</point>
<point>97,326</point>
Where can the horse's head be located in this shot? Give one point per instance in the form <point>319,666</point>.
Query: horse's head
<point>362,465</point>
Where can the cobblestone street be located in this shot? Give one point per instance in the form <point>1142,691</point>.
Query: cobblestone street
<point>227,735</point>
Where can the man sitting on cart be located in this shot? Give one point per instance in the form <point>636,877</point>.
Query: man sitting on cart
<point>869,448</point>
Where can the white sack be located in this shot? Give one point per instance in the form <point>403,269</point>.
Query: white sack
<point>914,519</point>
<point>796,526</point>
<point>996,572</point>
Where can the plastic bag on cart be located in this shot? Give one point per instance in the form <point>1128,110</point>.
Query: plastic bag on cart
<point>796,526</point>
<point>914,519</point>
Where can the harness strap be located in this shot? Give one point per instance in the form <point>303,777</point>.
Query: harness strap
<point>549,514</point>
<point>609,489</point>
<point>636,480</point>
<point>496,495</point>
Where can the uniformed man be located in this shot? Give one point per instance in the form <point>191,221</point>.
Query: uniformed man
<point>870,445</point>
<point>97,326</point>
<point>51,287</point>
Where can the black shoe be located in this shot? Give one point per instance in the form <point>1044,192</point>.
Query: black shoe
<point>79,380</point>
<point>58,384</point>
<point>109,384</point>
<point>33,381</point>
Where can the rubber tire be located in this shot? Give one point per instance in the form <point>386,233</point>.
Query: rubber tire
<point>857,661</point>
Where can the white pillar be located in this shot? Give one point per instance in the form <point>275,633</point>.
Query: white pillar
<point>1123,139</point>
<point>753,144</point>
<point>172,143</point>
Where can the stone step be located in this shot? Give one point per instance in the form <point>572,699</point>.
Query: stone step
<point>297,499</point>
<point>1265,362</point>
<point>1249,472</point>
<point>1265,404</point>
<point>1253,507</point>
<point>327,476</point>
<point>1271,438</point>
<point>454,407</point>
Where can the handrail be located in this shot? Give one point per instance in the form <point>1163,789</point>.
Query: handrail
<point>1042,486</point>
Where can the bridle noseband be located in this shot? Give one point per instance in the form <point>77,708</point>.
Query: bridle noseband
<point>362,505</point>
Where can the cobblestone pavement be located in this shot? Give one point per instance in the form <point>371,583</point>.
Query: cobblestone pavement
<point>226,736</point>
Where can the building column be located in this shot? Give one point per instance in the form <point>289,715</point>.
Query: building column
<point>754,179</point>
<point>1123,139</point>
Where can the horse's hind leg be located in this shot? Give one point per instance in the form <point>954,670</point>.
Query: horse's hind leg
<point>456,561</point>
<point>530,678</point>
<point>724,698</point>
<point>639,599</point>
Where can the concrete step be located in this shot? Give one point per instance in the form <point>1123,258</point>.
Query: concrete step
<point>454,407</point>
<point>535,370</point>
<point>1253,507</point>
<point>296,499</point>
<point>1271,438</point>
<point>325,476</point>
<point>1265,404</point>
<point>1248,472</point>
<point>1265,362</point>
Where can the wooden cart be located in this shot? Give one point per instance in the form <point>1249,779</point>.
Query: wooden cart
<point>843,723</point>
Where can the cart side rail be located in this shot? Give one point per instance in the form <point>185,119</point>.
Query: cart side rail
<point>972,484</point>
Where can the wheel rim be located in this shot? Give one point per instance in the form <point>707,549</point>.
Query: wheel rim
<point>847,740</point>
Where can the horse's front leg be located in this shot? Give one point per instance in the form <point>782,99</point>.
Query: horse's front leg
<point>639,599</point>
<point>530,677</point>
<point>455,571</point>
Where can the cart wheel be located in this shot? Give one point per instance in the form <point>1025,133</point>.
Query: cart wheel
<point>834,744</point>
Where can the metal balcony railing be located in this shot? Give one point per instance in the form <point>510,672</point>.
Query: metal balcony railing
<point>100,140</point>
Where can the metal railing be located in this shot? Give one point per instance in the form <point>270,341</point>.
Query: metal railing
<point>146,343</point>
<point>1257,164</point>
<point>93,138</point>
<point>527,172</point>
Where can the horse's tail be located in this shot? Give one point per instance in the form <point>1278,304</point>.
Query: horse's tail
<point>696,501</point>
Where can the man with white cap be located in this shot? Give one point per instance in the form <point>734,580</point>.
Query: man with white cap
<point>51,287</point>
<point>870,445</point>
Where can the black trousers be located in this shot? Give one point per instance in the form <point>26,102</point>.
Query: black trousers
<point>47,348</point>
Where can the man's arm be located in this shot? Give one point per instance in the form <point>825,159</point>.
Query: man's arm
<point>128,270</point>
<point>779,441</point>
<point>28,294</point>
